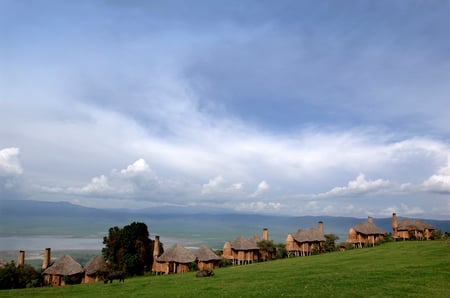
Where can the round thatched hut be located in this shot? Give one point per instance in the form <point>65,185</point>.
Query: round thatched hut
<point>64,271</point>
<point>94,270</point>
<point>305,242</point>
<point>175,260</point>
<point>207,259</point>
<point>408,228</point>
<point>365,233</point>
<point>241,251</point>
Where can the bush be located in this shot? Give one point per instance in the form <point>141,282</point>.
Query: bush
<point>437,235</point>
<point>224,263</point>
<point>346,245</point>
<point>13,277</point>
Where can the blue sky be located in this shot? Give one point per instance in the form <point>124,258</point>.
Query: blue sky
<point>285,107</point>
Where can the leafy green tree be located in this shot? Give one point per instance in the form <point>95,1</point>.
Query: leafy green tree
<point>129,249</point>
<point>13,277</point>
<point>267,248</point>
<point>437,235</point>
<point>330,240</point>
<point>281,251</point>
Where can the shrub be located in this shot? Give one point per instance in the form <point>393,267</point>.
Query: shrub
<point>13,277</point>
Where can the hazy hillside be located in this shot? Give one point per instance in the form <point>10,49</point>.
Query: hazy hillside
<point>31,218</point>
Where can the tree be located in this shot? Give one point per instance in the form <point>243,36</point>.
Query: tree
<point>129,249</point>
<point>267,249</point>
<point>330,242</point>
<point>281,251</point>
<point>13,277</point>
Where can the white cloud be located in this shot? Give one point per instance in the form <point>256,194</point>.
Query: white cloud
<point>9,162</point>
<point>358,187</point>
<point>258,206</point>
<point>440,182</point>
<point>402,209</point>
<point>98,185</point>
<point>218,186</point>
<point>138,167</point>
<point>262,188</point>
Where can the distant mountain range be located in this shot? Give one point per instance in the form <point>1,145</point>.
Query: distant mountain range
<point>32,218</point>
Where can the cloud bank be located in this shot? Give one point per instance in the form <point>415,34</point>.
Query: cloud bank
<point>294,108</point>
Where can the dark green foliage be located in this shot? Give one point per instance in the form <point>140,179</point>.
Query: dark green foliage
<point>129,249</point>
<point>437,235</point>
<point>268,247</point>
<point>281,251</point>
<point>13,277</point>
<point>386,238</point>
<point>330,242</point>
<point>346,246</point>
<point>225,263</point>
<point>72,280</point>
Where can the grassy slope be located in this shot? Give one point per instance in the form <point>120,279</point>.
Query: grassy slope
<point>393,269</point>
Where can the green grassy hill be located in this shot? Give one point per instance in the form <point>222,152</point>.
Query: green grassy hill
<point>411,268</point>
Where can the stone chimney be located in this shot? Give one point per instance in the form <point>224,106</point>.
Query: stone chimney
<point>370,219</point>
<point>265,235</point>
<point>394,226</point>
<point>320,226</point>
<point>21,259</point>
<point>47,259</point>
<point>156,248</point>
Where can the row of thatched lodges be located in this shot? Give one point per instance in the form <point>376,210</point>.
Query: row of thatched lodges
<point>241,251</point>
<point>305,242</point>
<point>178,259</point>
<point>368,234</point>
<point>66,270</point>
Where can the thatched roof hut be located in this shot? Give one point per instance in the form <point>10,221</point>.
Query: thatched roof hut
<point>207,259</point>
<point>368,228</point>
<point>177,253</point>
<point>175,260</point>
<point>94,269</point>
<point>63,270</point>
<point>407,228</point>
<point>305,242</point>
<point>205,253</point>
<point>365,233</point>
<point>244,251</point>
<point>311,235</point>
<point>242,243</point>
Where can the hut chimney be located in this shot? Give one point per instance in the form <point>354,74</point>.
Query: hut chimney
<point>394,225</point>
<point>156,248</point>
<point>370,219</point>
<point>21,259</point>
<point>47,258</point>
<point>265,236</point>
<point>320,226</point>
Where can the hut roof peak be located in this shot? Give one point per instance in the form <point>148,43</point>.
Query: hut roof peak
<point>242,243</point>
<point>65,265</point>
<point>177,253</point>
<point>205,253</point>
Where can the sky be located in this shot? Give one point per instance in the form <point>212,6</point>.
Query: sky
<point>337,108</point>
